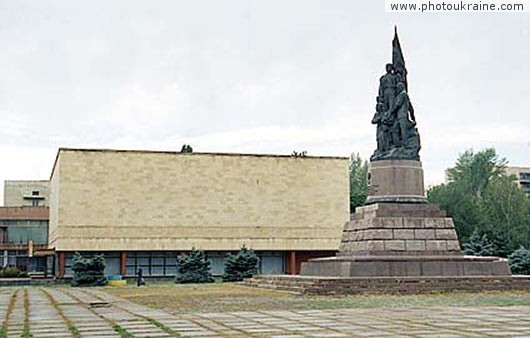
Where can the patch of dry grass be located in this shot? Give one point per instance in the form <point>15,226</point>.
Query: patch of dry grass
<point>226,297</point>
<point>204,297</point>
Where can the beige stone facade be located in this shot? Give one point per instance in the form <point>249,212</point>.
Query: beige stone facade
<point>108,200</point>
<point>26,193</point>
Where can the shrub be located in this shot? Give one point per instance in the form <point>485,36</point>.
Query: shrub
<point>88,271</point>
<point>242,265</point>
<point>186,148</point>
<point>520,261</point>
<point>194,268</point>
<point>479,245</point>
<point>12,272</point>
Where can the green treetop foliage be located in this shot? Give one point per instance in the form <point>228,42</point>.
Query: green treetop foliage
<point>186,148</point>
<point>358,181</point>
<point>194,268</point>
<point>506,208</point>
<point>473,171</point>
<point>242,265</point>
<point>481,197</point>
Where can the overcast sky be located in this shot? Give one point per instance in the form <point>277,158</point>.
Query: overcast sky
<point>253,77</point>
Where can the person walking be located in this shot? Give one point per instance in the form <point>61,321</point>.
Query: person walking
<point>140,280</point>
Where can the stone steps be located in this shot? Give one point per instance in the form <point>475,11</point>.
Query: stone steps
<point>389,285</point>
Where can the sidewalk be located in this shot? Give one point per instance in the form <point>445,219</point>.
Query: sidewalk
<point>89,312</point>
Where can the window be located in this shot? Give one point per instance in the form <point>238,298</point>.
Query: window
<point>151,263</point>
<point>35,203</point>
<point>526,188</point>
<point>271,263</point>
<point>524,176</point>
<point>35,193</point>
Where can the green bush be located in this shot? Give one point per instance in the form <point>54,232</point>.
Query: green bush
<point>240,266</point>
<point>194,268</point>
<point>12,272</point>
<point>88,271</point>
<point>520,261</point>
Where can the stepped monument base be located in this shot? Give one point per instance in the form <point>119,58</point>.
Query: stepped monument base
<point>392,239</point>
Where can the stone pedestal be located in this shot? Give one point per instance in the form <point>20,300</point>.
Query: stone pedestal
<point>394,239</point>
<point>390,229</point>
<point>398,181</point>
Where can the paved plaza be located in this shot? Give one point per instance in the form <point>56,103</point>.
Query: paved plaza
<point>89,312</point>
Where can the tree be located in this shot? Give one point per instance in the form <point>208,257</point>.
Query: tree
<point>240,266</point>
<point>463,208</point>
<point>520,261</point>
<point>358,181</point>
<point>481,197</point>
<point>88,271</point>
<point>479,245</point>
<point>186,148</point>
<point>473,171</point>
<point>506,209</point>
<point>194,268</point>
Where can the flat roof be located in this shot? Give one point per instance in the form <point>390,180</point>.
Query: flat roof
<point>517,168</point>
<point>188,154</point>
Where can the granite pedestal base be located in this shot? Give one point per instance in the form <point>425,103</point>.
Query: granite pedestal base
<point>405,266</point>
<point>393,239</point>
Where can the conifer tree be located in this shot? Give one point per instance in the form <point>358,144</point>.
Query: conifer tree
<point>520,261</point>
<point>194,268</point>
<point>479,245</point>
<point>88,271</point>
<point>240,266</point>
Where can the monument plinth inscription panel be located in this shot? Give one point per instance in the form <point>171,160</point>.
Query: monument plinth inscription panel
<point>396,181</point>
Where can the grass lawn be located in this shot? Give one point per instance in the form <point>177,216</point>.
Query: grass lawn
<point>221,297</point>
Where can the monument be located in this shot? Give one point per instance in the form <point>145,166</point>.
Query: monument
<point>395,168</point>
<point>397,241</point>
<point>397,233</point>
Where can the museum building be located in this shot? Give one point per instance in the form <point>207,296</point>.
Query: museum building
<point>144,208</point>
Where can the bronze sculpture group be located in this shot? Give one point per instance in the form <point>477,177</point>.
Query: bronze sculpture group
<point>397,135</point>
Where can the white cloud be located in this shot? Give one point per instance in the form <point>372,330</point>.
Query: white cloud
<point>253,76</point>
<point>23,163</point>
<point>139,109</point>
<point>16,125</point>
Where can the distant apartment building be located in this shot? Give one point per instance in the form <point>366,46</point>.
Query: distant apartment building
<point>24,227</point>
<point>26,193</point>
<point>24,239</point>
<point>522,177</point>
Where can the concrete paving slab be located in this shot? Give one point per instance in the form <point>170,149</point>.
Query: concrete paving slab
<point>53,310</point>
